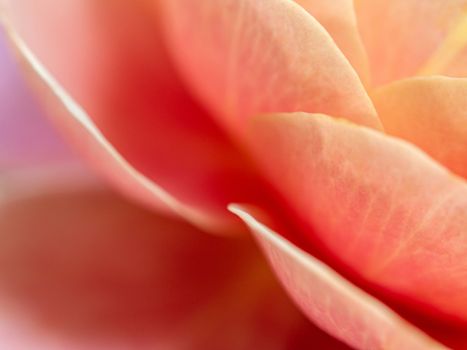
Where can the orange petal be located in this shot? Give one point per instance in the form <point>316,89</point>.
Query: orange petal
<point>25,137</point>
<point>332,302</point>
<point>338,18</point>
<point>431,113</point>
<point>106,62</point>
<point>377,204</point>
<point>245,57</point>
<point>406,37</point>
<point>458,66</point>
<point>87,270</point>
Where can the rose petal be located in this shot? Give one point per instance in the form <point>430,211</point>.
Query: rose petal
<point>338,18</point>
<point>245,57</point>
<point>83,269</point>
<point>336,305</point>
<point>110,59</point>
<point>431,113</point>
<point>25,137</point>
<point>405,37</point>
<point>100,151</point>
<point>377,204</point>
<point>457,67</point>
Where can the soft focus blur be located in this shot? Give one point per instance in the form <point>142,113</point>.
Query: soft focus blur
<point>83,268</point>
<point>26,139</point>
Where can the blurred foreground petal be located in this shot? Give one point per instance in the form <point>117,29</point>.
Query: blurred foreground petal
<point>336,305</point>
<point>430,113</point>
<point>83,269</point>
<point>377,204</point>
<point>117,72</point>
<point>84,133</point>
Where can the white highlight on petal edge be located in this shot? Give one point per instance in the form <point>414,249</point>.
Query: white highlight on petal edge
<point>79,114</point>
<point>353,316</point>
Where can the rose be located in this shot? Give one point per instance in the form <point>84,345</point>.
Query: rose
<point>384,213</point>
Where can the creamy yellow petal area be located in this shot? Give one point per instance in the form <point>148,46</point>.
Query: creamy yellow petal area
<point>408,37</point>
<point>430,113</point>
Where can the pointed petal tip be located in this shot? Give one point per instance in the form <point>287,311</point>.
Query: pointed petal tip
<point>307,279</point>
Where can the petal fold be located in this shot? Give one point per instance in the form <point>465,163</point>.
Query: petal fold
<point>339,20</point>
<point>332,302</point>
<point>377,204</point>
<point>244,57</point>
<point>430,113</point>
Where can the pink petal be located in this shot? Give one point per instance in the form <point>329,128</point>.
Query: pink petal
<point>84,269</point>
<point>245,57</point>
<point>406,37</point>
<point>25,137</point>
<point>332,302</point>
<point>431,113</point>
<point>377,204</point>
<point>338,18</point>
<point>106,62</point>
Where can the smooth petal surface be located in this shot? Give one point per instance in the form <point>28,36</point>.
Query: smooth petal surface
<point>430,113</point>
<point>109,59</point>
<point>338,18</point>
<point>408,37</point>
<point>83,269</point>
<point>336,305</point>
<point>100,151</point>
<point>25,137</point>
<point>245,57</point>
<point>377,204</point>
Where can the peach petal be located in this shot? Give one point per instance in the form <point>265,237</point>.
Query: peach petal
<point>110,59</point>
<point>332,302</point>
<point>339,20</point>
<point>406,37</point>
<point>84,269</point>
<point>430,113</point>
<point>25,137</point>
<point>245,57</point>
<point>458,66</point>
<point>378,204</point>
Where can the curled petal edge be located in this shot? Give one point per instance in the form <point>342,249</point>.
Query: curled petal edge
<point>302,275</point>
<point>130,179</point>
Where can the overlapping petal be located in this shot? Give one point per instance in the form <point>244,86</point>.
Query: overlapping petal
<point>380,206</point>
<point>430,113</point>
<point>376,203</point>
<point>83,269</point>
<point>338,18</point>
<point>109,59</point>
<point>245,57</point>
<point>408,37</point>
<point>336,305</point>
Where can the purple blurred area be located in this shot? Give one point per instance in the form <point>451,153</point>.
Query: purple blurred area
<point>26,137</point>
